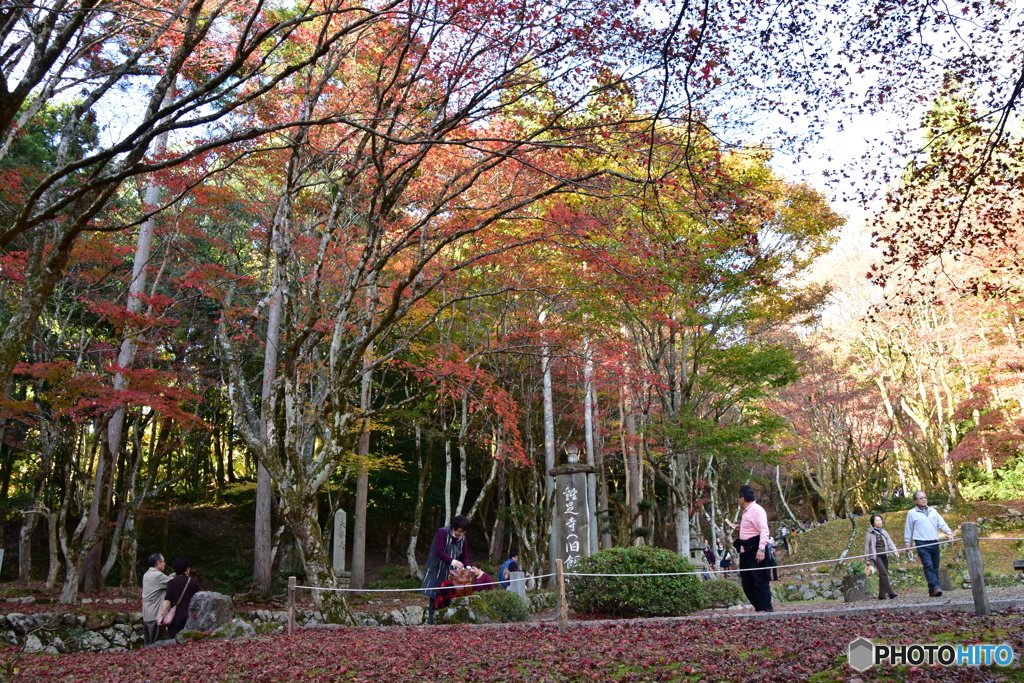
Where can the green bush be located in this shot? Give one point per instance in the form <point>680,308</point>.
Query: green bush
<point>631,596</point>
<point>722,593</point>
<point>505,606</point>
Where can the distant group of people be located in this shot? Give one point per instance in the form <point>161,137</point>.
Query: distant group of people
<point>754,544</point>
<point>161,592</point>
<point>921,531</point>
<point>755,547</point>
<point>450,551</point>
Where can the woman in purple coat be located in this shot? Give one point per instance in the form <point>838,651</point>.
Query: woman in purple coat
<point>448,551</point>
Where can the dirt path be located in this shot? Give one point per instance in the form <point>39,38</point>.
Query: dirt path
<point>907,603</point>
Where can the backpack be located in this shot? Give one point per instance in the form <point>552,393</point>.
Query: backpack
<point>445,593</point>
<point>504,576</point>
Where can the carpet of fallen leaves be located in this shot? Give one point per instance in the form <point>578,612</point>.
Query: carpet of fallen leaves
<point>722,649</point>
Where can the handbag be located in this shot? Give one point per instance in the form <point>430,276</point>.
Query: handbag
<point>462,581</point>
<point>168,617</point>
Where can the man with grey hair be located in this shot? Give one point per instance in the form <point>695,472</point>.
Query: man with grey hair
<point>922,530</point>
<point>154,586</point>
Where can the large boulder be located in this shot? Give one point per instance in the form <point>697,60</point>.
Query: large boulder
<point>208,611</point>
<point>411,615</point>
<point>465,611</point>
<point>235,629</point>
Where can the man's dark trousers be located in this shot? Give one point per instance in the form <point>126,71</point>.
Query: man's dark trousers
<point>755,583</point>
<point>930,555</point>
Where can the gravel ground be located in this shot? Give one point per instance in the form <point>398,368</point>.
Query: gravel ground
<point>1000,599</point>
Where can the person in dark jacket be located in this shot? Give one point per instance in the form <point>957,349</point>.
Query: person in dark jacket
<point>709,556</point>
<point>726,562</point>
<point>448,551</point>
<point>180,590</point>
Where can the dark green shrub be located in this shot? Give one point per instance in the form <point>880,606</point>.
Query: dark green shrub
<point>504,606</point>
<point>722,593</point>
<point>634,595</point>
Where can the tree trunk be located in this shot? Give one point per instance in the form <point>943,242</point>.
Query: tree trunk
<point>89,568</point>
<point>94,575</point>
<point>447,475</point>
<point>463,428</point>
<point>549,451</point>
<point>588,437</point>
<point>629,448</point>
<point>498,534</point>
<point>358,576</point>
<point>263,532</point>
<point>303,523</point>
<point>423,469</point>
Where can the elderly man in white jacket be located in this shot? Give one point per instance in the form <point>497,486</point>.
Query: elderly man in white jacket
<point>922,530</point>
<point>154,586</point>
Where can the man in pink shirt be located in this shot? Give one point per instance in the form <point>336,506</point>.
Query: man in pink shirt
<point>753,537</point>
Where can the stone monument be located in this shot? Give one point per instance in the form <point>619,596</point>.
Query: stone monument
<point>338,538</point>
<point>572,510</point>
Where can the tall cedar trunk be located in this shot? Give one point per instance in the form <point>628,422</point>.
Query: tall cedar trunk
<point>629,453</point>
<point>358,577</point>
<point>93,574</point>
<point>549,451</point>
<point>602,481</point>
<point>262,533</point>
<point>588,437</point>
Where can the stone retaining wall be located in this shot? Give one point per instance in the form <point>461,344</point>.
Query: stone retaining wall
<point>818,586</point>
<point>59,633</point>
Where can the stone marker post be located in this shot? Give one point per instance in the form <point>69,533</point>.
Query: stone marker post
<point>517,584</point>
<point>572,513</point>
<point>340,523</point>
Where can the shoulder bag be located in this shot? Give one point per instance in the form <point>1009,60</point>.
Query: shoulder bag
<point>168,617</point>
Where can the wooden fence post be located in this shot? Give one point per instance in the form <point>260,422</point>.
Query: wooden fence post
<point>563,604</point>
<point>975,568</point>
<point>291,605</point>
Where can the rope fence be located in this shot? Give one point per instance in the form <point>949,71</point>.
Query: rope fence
<point>969,538</point>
